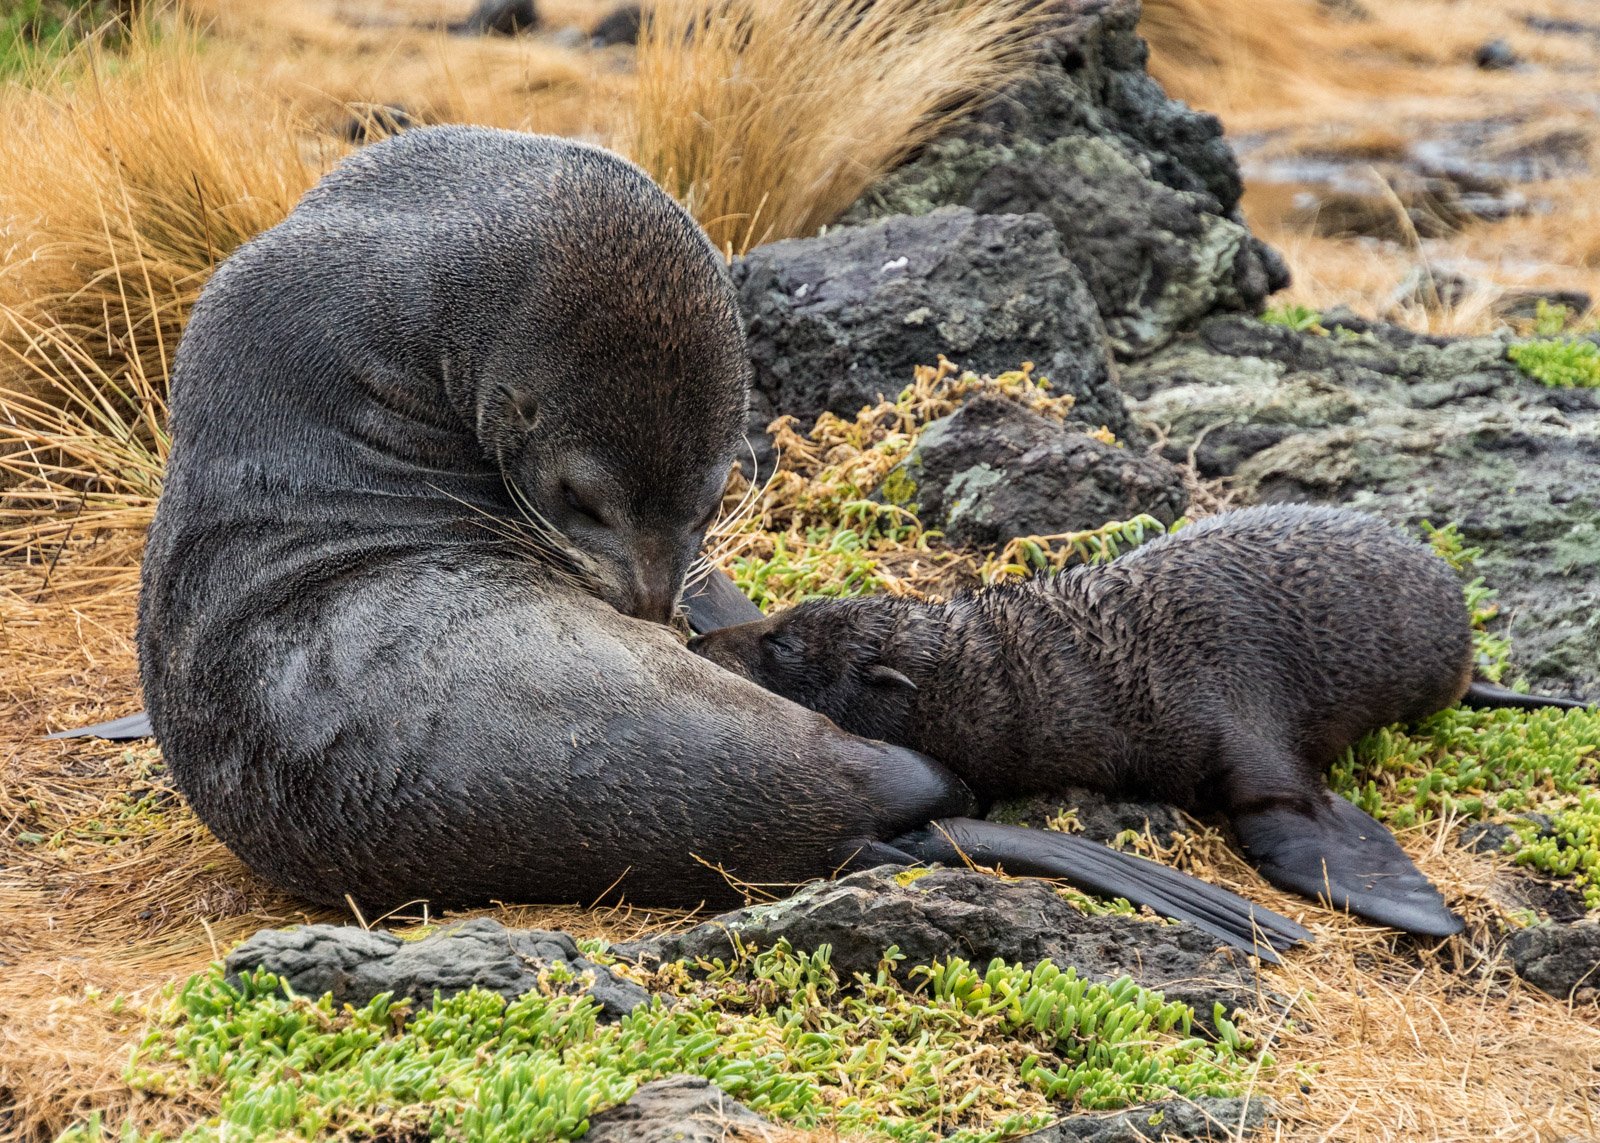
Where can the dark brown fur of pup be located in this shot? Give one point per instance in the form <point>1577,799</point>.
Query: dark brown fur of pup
<point>1224,667</point>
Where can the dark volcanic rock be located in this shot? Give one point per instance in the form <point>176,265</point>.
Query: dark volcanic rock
<point>371,122</point>
<point>1561,959</point>
<point>1411,428</point>
<point>995,469</point>
<point>1202,1118</point>
<point>500,18</point>
<point>1144,190</point>
<point>677,1109</point>
<point>619,26</point>
<point>1099,818</point>
<point>837,321</point>
<point>975,916</point>
<point>357,964</point>
<point>1496,55</point>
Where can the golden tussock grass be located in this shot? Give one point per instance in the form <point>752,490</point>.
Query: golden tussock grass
<point>124,179</point>
<point>770,119</point>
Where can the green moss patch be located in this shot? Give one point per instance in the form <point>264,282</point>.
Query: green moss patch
<point>949,1051</point>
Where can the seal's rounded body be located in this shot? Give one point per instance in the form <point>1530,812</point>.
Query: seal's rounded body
<point>1225,666</point>
<point>370,668</point>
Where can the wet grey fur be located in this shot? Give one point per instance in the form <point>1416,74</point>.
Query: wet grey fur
<point>1223,667</point>
<point>369,671</point>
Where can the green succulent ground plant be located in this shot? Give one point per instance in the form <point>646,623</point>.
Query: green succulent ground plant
<point>908,1056</point>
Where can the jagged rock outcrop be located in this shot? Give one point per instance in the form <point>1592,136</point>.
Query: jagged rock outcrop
<point>1143,190</point>
<point>838,321</point>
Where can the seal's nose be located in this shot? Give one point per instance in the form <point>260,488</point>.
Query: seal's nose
<point>655,599</point>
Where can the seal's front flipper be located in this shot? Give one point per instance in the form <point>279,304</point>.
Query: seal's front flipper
<point>715,601</point>
<point>1098,869</point>
<point>1488,696</point>
<point>124,729</point>
<point>1347,859</point>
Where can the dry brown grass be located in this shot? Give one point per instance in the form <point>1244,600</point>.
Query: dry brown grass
<point>124,179</point>
<point>771,119</point>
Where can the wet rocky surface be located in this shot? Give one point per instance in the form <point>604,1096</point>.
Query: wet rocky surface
<point>995,469</point>
<point>1412,428</point>
<point>355,964</point>
<point>976,916</point>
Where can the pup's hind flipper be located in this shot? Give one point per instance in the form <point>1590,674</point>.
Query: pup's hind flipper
<point>1098,869</point>
<point>1349,860</point>
<point>1489,696</point>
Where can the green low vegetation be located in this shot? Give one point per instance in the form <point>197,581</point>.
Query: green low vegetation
<point>1304,319</point>
<point>1559,362</point>
<point>985,1052</point>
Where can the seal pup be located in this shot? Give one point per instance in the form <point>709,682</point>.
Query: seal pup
<point>444,443</point>
<point>1225,666</point>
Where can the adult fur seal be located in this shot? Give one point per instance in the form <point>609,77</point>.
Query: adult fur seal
<point>444,443</point>
<point>1225,666</point>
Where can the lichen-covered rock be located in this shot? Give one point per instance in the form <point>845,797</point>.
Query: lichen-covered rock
<point>1561,959</point>
<point>1411,428</point>
<point>975,916</point>
<point>678,1109</point>
<point>838,321</point>
<point>994,470</point>
<point>354,964</point>
<point>1204,1117</point>
<point>1143,190</point>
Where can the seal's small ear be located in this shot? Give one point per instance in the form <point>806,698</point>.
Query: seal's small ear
<point>889,677</point>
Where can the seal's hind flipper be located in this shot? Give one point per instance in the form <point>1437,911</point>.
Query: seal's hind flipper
<point>1098,869</point>
<point>1346,858</point>
<point>1488,696</point>
<point>715,602</point>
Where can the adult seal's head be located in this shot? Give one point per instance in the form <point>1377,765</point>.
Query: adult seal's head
<point>537,332</point>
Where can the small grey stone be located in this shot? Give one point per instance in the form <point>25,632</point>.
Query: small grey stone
<point>354,964</point>
<point>677,1109</point>
<point>1496,55</point>
<point>994,470</point>
<point>1202,1118</point>
<point>1561,959</point>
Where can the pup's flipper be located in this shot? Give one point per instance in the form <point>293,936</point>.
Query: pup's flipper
<point>117,730</point>
<point>1488,696</point>
<point>1344,857</point>
<point>1098,869</point>
<point>716,601</point>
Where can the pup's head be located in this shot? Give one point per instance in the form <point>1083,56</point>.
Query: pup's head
<point>832,657</point>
